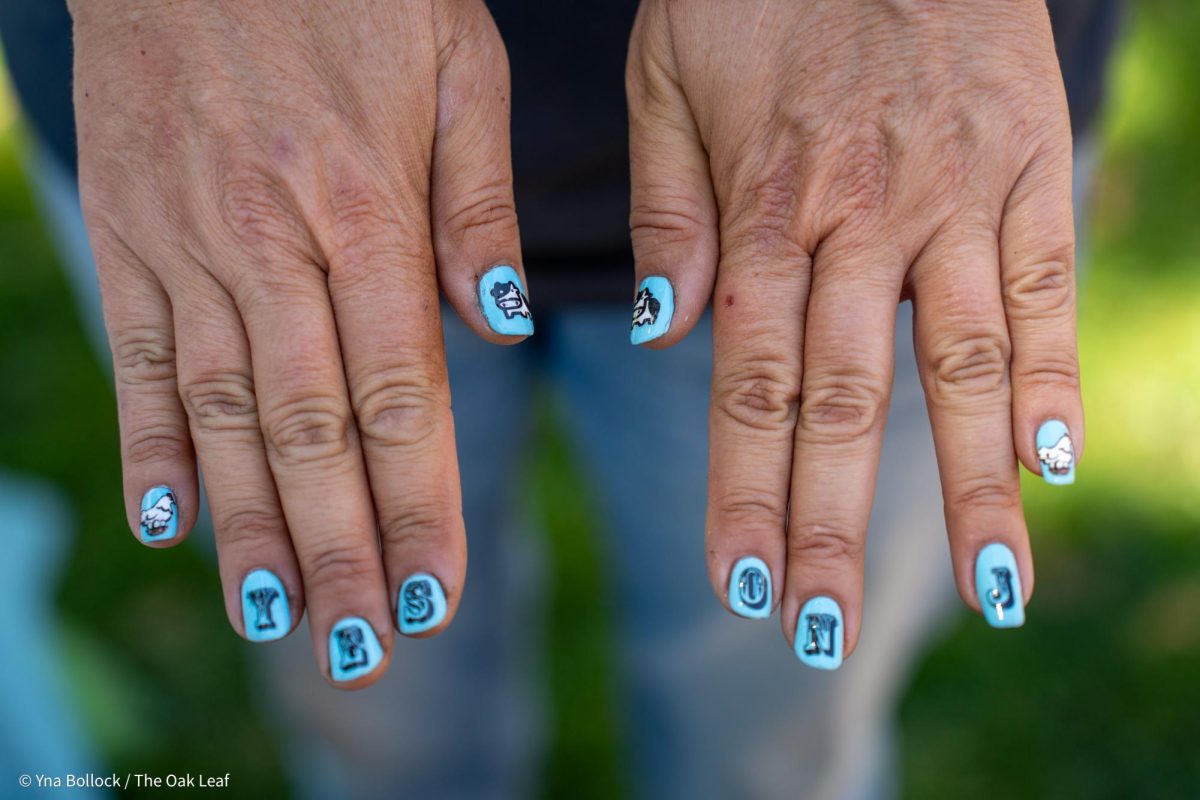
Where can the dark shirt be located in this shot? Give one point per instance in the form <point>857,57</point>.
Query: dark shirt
<point>570,145</point>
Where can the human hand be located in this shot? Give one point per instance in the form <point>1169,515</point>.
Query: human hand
<point>807,165</point>
<point>273,191</point>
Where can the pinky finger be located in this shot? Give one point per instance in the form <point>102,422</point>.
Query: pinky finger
<point>157,459</point>
<point>1037,268</point>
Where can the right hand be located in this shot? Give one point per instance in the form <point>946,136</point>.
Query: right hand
<point>273,191</point>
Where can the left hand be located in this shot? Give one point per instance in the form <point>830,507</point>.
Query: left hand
<point>807,165</point>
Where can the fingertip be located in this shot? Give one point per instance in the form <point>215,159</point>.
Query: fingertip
<point>163,518</point>
<point>422,607</point>
<point>356,655</point>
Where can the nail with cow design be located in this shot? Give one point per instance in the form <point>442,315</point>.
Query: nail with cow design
<point>421,604</point>
<point>266,615</point>
<point>820,633</point>
<point>354,649</point>
<point>652,310</point>
<point>504,304</point>
<point>1056,453</point>
<point>160,515</point>
<point>998,585</point>
<point>750,588</point>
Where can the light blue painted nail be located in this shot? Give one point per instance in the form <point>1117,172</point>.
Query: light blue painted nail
<point>421,604</point>
<point>998,584</point>
<point>504,303</point>
<point>266,615</point>
<point>1057,454</point>
<point>750,588</point>
<point>354,649</point>
<point>820,633</point>
<point>652,309</point>
<point>160,515</point>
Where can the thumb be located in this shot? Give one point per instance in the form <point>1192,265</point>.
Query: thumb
<point>474,220</point>
<point>673,219</point>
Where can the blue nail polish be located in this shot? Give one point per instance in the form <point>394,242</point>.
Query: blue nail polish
<point>504,303</point>
<point>160,515</point>
<point>820,633</point>
<point>1056,453</point>
<point>998,584</point>
<point>750,588</point>
<point>421,604</point>
<point>652,310</point>
<point>353,649</point>
<point>266,615</point>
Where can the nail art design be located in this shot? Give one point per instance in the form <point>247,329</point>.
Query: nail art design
<point>820,633</point>
<point>160,515</point>
<point>266,615</point>
<point>750,588</point>
<point>652,310</point>
<point>1057,454</point>
<point>504,302</point>
<point>998,584</point>
<point>421,605</point>
<point>353,649</point>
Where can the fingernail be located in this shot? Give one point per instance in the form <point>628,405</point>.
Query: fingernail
<point>998,584</point>
<point>820,633</point>
<point>750,588</point>
<point>652,310</point>
<point>1057,454</point>
<point>504,302</point>
<point>265,612</point>
<point>353,649</point>
<point>160,515</point>
<point>421,604</point>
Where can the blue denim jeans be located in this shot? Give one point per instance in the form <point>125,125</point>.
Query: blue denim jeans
<point>713,705</point>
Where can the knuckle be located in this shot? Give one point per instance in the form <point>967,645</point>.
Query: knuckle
<point>766,224</point>
<point>967,364</point>
<point>1048,370</point>
<point>747,507</point>
<point>341,566</point>
<point>143,356</point>
<point>762,395</point>
<point>247,528</point>
<point>253,205</point>
<point>823,543</point>
<point>840,407</point>
<point>426,521</point>
<point>152,444</point>
<point>486,212</point>
<point>1040,290</point>
<point>661,219</point>
<point>311,429</point>
<point>221,401</point>
<point>397,407</point>
<point>983,492</point>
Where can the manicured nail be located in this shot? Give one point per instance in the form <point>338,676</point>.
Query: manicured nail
<point>160,515</point>
<point>353,649</point>
<point>750,588</point>
<point>421,604</point>
<point>819,633</point>
<point>265,612</point>
<point>504,302</point>
<point>998,584</point>
<point>1056,453</point>
<point>652,310</point>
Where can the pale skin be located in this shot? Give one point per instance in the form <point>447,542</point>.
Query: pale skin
<point>277,192</point>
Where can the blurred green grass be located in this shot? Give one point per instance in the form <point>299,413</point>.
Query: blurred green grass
<point>1098,696</point>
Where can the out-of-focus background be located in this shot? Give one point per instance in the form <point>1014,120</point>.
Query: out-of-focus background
<point>1098,696</point>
